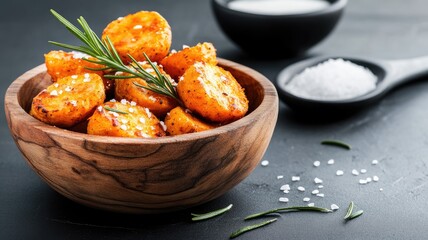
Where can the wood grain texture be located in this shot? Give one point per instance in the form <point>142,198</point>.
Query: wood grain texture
<point>144,175</point>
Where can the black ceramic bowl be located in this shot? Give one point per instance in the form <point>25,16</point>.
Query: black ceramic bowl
<point>277,35</point>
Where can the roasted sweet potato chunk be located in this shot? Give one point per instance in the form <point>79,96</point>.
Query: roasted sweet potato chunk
<point>158,104</point>
<point>179,121</point>
<point>175,64</point>
<point>213,93</point>
<point>124,119</point>
<point>142,32</point>
<point>61,64</point>
<point>69,101</point>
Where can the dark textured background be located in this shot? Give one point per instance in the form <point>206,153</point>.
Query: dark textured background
<point>395,131</point>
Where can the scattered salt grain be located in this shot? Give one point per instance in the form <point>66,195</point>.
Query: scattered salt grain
<point>300,188</point>
<point>123,101</point>
<point>185,46</point>
<point>113,100</point>
<point>119,18</point>
<point>68,89</point>
<point>317,163</point>
<point>355,172</point>
<point>311,204</point>
<point>131,110</point>
<point>320,195</point>
<point>74,103</point>
<point>264,163</point>
<point>133,103</point>
<point>339,172</point>
<point>320,186</point>
<point>363,170</point>
<point>295,178</point>
<point>316,191</point>
<point>381,189</point>
<point>375,162</point>
<point>363,181</point>
<point>317,180</point>
<point>283,199</point>
<point>334,79</point>
<point>334,207</point>
<point>369,179</point>
<point>279,177</point>
<point>306,199</point>
<point>123,127</point>
<point>330,162</point>
<point>56,85</point>
<point>375,178</point>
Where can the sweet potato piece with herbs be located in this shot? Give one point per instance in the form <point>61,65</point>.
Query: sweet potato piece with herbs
<point>179,121</point>
<point>175,64</point>
<point>61,64</point>
<point>138,33</point>
<point>124,119</point>
<point>158,104</point>
<point>213,93</point>
<point>69,101</point>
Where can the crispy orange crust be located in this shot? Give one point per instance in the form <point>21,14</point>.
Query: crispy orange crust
<point>138,33</point>
<point>175,64</point>
<point>158,104</point>
<point>178,121</point>
<point>138,122</point>
<point>69,101</point>
<point>213,93</point>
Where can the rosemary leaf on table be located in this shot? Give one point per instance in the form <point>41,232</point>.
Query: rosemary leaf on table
<point>289,209</point>
<point>204,216</point>
<point>251,227</point>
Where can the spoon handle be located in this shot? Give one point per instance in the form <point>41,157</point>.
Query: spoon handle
<point>401,71</point>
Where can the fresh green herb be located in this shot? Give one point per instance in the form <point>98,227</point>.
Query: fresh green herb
<point>199,217</point>
<point>114,110</point>
<point>289,209</point>
<point>356,214</point>
<point>106,55</point>
<point>349,211</point>
<point>336,143</point>
<point>251,227</point>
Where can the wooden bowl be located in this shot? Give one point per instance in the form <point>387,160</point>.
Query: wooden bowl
<point>143,175</point>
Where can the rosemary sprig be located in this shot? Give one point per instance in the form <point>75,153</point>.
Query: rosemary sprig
<point>289,209</point>
<point>251,227</point>
<point>204,216</point>
<point>106,55</point>
<point>115,110</point>
<point>336,143</point>
<point>349,211</point>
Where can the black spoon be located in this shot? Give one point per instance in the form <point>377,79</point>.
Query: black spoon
<point>391,73</point>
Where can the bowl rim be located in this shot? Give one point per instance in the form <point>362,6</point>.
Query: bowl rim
<point>338,5</point>
<point>12,105</point>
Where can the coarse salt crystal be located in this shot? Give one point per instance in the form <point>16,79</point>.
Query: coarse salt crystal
<point>163,125</point>
<point>363,170</point>
<point>74,76</point>
<point>60,92</point>
<point>265,163</point>
<point>375,178</point>
<point>295,178</point>
<point>311,204</point>
<point>142,120</point>
<point>124,121</point>
<point>300,188</point>
<point>68,89</point>
<point>86,75</point>
<point>320,186</point>
<point>369,179</point>
<point>339,172</point>
<point>330,162</point>
<point>74,103</point>
<point>54,93</point>
<point>139,127</point>
<point>56,85</point>
<point>185,46</point>
<point>279,177</point>
<point>119,18</point>
<point>283,199</point>
<point>317,180</point>
<point>138,27</point>
<point>317,163</point>
<point>149,114</point>
<point>100,108</point>
<point>306,199</point>
<point>320,195</point>
<point>133,103</point>
<point>334,79</point>
<point>123,101</point>
<point>131,110</point>
<point>375,162</point>
<point>381,189</point>
<point>316,191</point>
<point>123,127</point>
<point>355,172</point>
<point>113,100</point>
<point>285,187</point>
<point>79,55</point>
<point>334,207</point>
<point>115,114</point>
<point>363,181</point>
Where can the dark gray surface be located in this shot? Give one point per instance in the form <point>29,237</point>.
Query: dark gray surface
<point>395,131</point>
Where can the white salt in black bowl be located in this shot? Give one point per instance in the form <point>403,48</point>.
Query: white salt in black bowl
<point>277,35</point>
